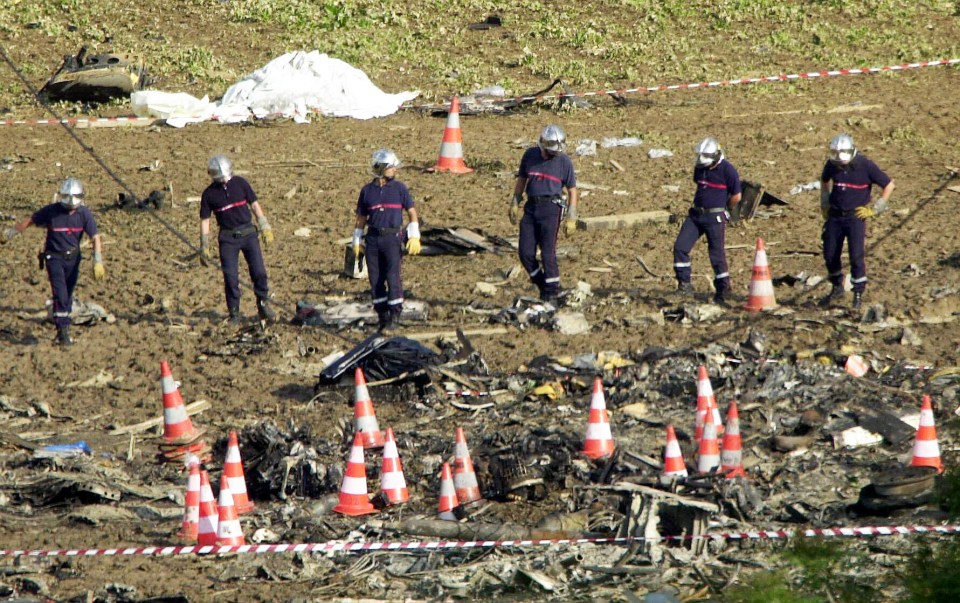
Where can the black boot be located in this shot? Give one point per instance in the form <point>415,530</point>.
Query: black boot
<point>385,322</point>
<point>63,336</point>
<point>685,288</point>
<point>235,317</point>
<point>720,298</point>
<point>835,295</point>
<point>264,311</point>
<point>857,300</point>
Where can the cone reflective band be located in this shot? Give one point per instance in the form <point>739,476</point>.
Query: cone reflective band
<point>451,149</point>
<point>926,448</point>
<point>354,499</point>
<point>448,495</point>
<point>598,442</point>
<point>176,423</point>
<point>364,417</point>
<point>207,529</point>
<point>229,532</point>
<point>191,506</point>
<point>731,453</point>
<point>392,483</point>
<point>233,471</point>
<point>464,477</point>
<point>673,465</point>
<point>709,457</point>
<point>761,283</point>
<point>856,366</point>
<point>706,402</point>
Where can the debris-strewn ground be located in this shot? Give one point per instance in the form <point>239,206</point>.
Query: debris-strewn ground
<point>783,367</point>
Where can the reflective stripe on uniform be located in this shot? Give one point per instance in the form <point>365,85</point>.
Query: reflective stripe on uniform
<point>379,300</point>
<point>231,206</point>
<point>722,275</point>
<point>535,272</point>
<point>681,265</point>
<point>555,279</point>
<point>862,279</point>
<point>545,176</point>
<point>395,302</point>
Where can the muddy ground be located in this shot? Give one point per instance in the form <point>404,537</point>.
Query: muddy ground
<point>775,134</point>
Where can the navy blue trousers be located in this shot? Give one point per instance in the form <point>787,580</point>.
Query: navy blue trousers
<point>63,273</point>
<point>230,249</point>
<point>695,226</point>
<point>538,228</point>
<point>854,230</point>
<point>383,253</point>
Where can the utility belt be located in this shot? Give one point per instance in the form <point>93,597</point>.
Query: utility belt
<point>69,254</point>
<point>699,211</point>
<point>239,233</point>
<point>546,199</point>
<point>841,213</point>
<point>382,231</point>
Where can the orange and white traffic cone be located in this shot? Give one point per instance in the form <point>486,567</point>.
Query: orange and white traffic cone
<point>761,283</point>
<point>354,499</point>
<point>189,529</point>
<point>731,454</point>
<point>451,149</point>
<point>364,417</point>
<point>598,442</point>
<point>229,531</point>
<point>464,477</point>
<point>392,483</point>
<point>709,458</point>
<point>177,426</point>
<point>706,402</point>
<point>856,365</point>
<point>926,448</point>
<point>233,471</point>
<point>673,464</point>
<point>448,495</point>
<point>209,514</point>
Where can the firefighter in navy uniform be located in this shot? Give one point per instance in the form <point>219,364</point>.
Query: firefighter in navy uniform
<point>232,201</point>
<point>380,210</point>
<point>67,219</point>
<point>718,191</point>
<point>845,187</point>
<point>545,170</point>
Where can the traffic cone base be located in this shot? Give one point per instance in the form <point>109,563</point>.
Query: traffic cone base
<point>354,499</point>
<point>364,417</point>
<point>598,442</point>
<point>233,470</point>
<point>451,149</point>
<point>761,283</point>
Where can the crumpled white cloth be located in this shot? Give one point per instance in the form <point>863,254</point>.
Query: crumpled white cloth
<point>293,85</point>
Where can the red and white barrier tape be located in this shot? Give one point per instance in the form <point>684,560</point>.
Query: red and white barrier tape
<point>349,547</point>
<point>715,84</point>
<point>88,122</point>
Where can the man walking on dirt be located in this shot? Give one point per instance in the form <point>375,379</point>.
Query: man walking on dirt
<point>845,186</point>
<point>545,170</point>
<point>231,199</point>
<point>718,191</point>
<point>66,221</point>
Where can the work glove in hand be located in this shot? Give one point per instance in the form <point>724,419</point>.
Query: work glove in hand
<point>266,233</point>
<point>825,211</point>
<point>99,272</point>
<point>413,238</point>
<point>514,212</point>
<point>357,237</point>
<point>206,257</point>
<point>864,212</point>
<point>7,235</point>
<point>570,223</point>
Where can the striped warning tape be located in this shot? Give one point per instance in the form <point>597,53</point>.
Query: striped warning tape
<point>90,122</point>
<point>349,547</point>
<point>695,85</point>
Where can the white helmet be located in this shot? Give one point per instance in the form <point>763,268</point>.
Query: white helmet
<point>553,139</point>
<point>842,149</point>
<point>70,194</point>
<point>220,168</point>
<point>709,152</point>
<point>382,160</point>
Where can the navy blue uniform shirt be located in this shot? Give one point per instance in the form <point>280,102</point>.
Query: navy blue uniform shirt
<point>546,177</point>
<point>383,205</point>
<point>715,185</point>
<point>63,228</point>
<point>852,182</point>
<point>229,202</point>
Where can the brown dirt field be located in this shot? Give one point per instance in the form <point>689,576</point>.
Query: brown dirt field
<point>775,134</point>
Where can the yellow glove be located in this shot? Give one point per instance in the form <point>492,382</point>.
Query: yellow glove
<point>569,226</point>
<point>825,211</point>
<point>514,212</point>
<point>99,272</point>
<point>865,213</point>
<point>413,246</point>
<point>206,257</point>
<point>266,236</point>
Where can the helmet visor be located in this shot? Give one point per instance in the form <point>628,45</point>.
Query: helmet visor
<point>842,156</point>
<point>706,159</point>
<point>68,200</point>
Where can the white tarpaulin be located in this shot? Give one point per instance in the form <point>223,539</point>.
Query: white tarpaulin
<point>293,85</point>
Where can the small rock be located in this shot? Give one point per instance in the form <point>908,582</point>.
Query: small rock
<point>908,337</point>
<point>486,289</point>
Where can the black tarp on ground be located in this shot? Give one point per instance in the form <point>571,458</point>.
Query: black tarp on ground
<point>380,358</point>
